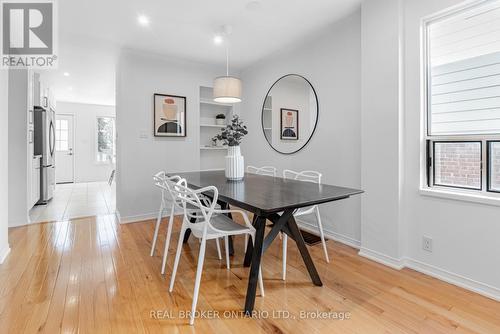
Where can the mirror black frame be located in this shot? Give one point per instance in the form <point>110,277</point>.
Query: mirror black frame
<point>317,114</point>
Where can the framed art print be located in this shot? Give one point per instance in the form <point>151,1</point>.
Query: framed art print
<point>169,115</point>
<point>289,124</point>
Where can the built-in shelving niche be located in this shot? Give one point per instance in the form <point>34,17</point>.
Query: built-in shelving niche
<point>211,157</point>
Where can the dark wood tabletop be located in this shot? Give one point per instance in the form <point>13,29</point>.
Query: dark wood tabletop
<point>264,195</point>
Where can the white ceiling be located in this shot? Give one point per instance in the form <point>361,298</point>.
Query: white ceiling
<point>92,31</point>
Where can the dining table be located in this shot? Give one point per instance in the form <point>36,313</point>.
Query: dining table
<point>269,198</point>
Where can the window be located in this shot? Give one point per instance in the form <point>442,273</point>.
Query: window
<point>494,166</point>
<point>62,135</point>
<point>457,164</point>
<point>462,71</point>
<point>105,140</point>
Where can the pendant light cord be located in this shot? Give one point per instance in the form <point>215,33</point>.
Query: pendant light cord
<point>227,58</point>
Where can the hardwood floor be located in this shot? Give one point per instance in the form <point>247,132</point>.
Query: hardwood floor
<point>92,275</point>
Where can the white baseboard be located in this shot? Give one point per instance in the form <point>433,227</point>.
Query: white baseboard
<point>433,271</point>
<point>3,253</point>
<point>139,218</point>
<point>387,260</point>
<point>455,279</point>
<point>135,219</point>
<point>18,223</point>
<point>344,239</point>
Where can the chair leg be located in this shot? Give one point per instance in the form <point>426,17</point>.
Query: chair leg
<point>157,228</point>
<point>226,246</point>
<point>261,282</point>
<point>219,254</point>
<point>177,257</point>
<point>246,240</point>
<point>285,239</point>
<point>197,282</point>
<point>322,235</point>
<point>167,240</point>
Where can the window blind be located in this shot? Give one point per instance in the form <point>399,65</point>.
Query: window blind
<point>464,72</point>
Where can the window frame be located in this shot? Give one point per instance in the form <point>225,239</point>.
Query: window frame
<point>488,174</point>
<point>96,140</point>
<point>427,147</point>
<point>432,168</point>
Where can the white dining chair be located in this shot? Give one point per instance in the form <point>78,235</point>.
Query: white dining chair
<point>165,183</point>
<point>306,176</point>
<point>213,224</point>
<point>266,170</point>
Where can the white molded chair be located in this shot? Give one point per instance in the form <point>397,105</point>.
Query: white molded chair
<point>213,224</point>
<point>306,176</point>
<point>266,170</point>
<point>165,183</point>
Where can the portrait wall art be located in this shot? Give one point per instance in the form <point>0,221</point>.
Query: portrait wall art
<point>289,124</point>
<point>169,115</point>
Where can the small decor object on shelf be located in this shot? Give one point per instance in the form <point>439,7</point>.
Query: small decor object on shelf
<point>169,115</point>
<point>214,141</point>
<point>220,119</point>
<point>232,135</point>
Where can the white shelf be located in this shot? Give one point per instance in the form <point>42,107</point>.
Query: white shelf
<point>212,126</point>
<point>213,148</point>
<point>268,129</point>
<point>268,109</point>
<point>205,101</point>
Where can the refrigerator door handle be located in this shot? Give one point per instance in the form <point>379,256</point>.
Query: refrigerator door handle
<point>52,138</point>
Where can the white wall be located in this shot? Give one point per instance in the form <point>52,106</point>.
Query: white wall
<point>18,148</point>
<point>465,235</point>
<point>380,129</point>
<point>139,154</point>
<point>330,61</point>
<point>85,118</point>
<point>4,174</point>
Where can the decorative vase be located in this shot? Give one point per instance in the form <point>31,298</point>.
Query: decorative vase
<point>235,164</point>
<point>220,121</point>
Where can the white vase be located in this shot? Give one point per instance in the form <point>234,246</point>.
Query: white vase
<point>235,164</point>
<point>220,121</point>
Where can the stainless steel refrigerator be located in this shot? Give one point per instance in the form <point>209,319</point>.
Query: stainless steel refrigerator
<point>44,145</point>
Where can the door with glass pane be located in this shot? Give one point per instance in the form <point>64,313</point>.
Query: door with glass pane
<point>64,149</point>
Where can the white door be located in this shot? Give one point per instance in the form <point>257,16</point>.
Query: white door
<point>64,149</point>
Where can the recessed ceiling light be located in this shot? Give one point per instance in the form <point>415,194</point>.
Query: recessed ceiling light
<point>66,74</point>
<point>143,20</point>
<point>218,39</point>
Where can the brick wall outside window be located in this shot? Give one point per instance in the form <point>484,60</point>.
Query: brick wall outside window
<point>459,164</point>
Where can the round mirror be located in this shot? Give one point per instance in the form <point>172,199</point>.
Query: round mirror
<point>290,114</point>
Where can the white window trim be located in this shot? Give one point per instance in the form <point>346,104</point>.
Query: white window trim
<point>461,195</point>
<point>476,196</point>
<point>100,163</point>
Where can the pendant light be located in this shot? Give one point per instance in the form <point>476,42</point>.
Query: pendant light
<point>227,89</point>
